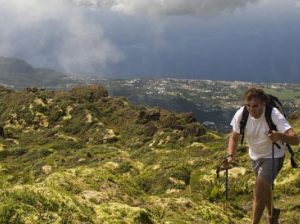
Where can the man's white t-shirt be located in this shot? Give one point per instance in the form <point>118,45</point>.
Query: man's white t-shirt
<point>260,145</point>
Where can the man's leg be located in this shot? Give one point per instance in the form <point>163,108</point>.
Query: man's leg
<point>263,187</point>
<point>269,199</point>
<point>262,197</point>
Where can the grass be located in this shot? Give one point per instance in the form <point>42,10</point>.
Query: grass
<point>284,94</point>
<point>57,174</point>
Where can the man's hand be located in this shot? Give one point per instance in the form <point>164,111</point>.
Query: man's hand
<point>274,136</point>
<point>227,162</point>
<point>289,137</point>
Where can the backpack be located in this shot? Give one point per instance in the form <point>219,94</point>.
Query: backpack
<point>272,102</point>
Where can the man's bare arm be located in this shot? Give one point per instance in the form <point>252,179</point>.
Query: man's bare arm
<point>232,145</point>
<point>289,137</point>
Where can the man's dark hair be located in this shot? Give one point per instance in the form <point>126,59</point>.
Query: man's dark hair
<point>255,93</point>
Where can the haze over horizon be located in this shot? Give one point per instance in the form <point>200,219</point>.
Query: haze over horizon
<point>247,40</point>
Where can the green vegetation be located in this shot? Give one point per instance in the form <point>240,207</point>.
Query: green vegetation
<point>283,93</point>
<point>19,74</point>
<point>81,156</point>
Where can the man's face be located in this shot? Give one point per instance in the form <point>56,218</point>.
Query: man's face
<point>255,107</point>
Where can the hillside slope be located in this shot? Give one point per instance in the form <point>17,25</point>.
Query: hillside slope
<point>81,156</point>
<point>19,74</point>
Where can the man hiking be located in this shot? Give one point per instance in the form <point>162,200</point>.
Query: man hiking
<point>261,142</point>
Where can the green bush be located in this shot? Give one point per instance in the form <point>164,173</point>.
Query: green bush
<point>55,115</point>
<point>14,151</point>
<point>42,206</point>
<point>89,93</point>
<point>181,173</point>
<point>44,152</point>
<point>66,144</point>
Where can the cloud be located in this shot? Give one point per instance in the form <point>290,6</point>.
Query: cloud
<point>204,8</point>
<point>55,33</point>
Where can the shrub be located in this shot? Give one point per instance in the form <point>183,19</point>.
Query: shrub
<point>18,151</point>
<point>66,144</point>
<point>89,93</point>
<point>29,205</point>
<point>181,173</point>
<point>194,130</point>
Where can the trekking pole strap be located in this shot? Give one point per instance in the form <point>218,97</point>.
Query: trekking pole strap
<point>242,138</point>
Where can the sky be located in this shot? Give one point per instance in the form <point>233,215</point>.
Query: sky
<point>247,40</point>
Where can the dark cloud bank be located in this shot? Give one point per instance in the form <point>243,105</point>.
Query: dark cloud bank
<point>205,39</point>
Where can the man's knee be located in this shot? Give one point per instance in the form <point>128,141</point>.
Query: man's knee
<point>262,182</point>
<point>262,187</point>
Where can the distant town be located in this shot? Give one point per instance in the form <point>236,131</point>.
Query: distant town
<point>212,102</point>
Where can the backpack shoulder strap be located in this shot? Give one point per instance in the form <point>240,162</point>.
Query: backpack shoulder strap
<point>272,127</point>
<point>293,162</point>
<point>268,117</point>
<point>243,123</point>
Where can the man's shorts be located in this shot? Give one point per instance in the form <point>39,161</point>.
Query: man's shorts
<point>263,168</point>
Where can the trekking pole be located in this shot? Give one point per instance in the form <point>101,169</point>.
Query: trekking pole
<point>273,176</point>
<point>226,189</point>
<point>226,168</point>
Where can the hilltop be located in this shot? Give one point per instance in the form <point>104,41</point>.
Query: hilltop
<point>19,74</point>
<point>82,156</point>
